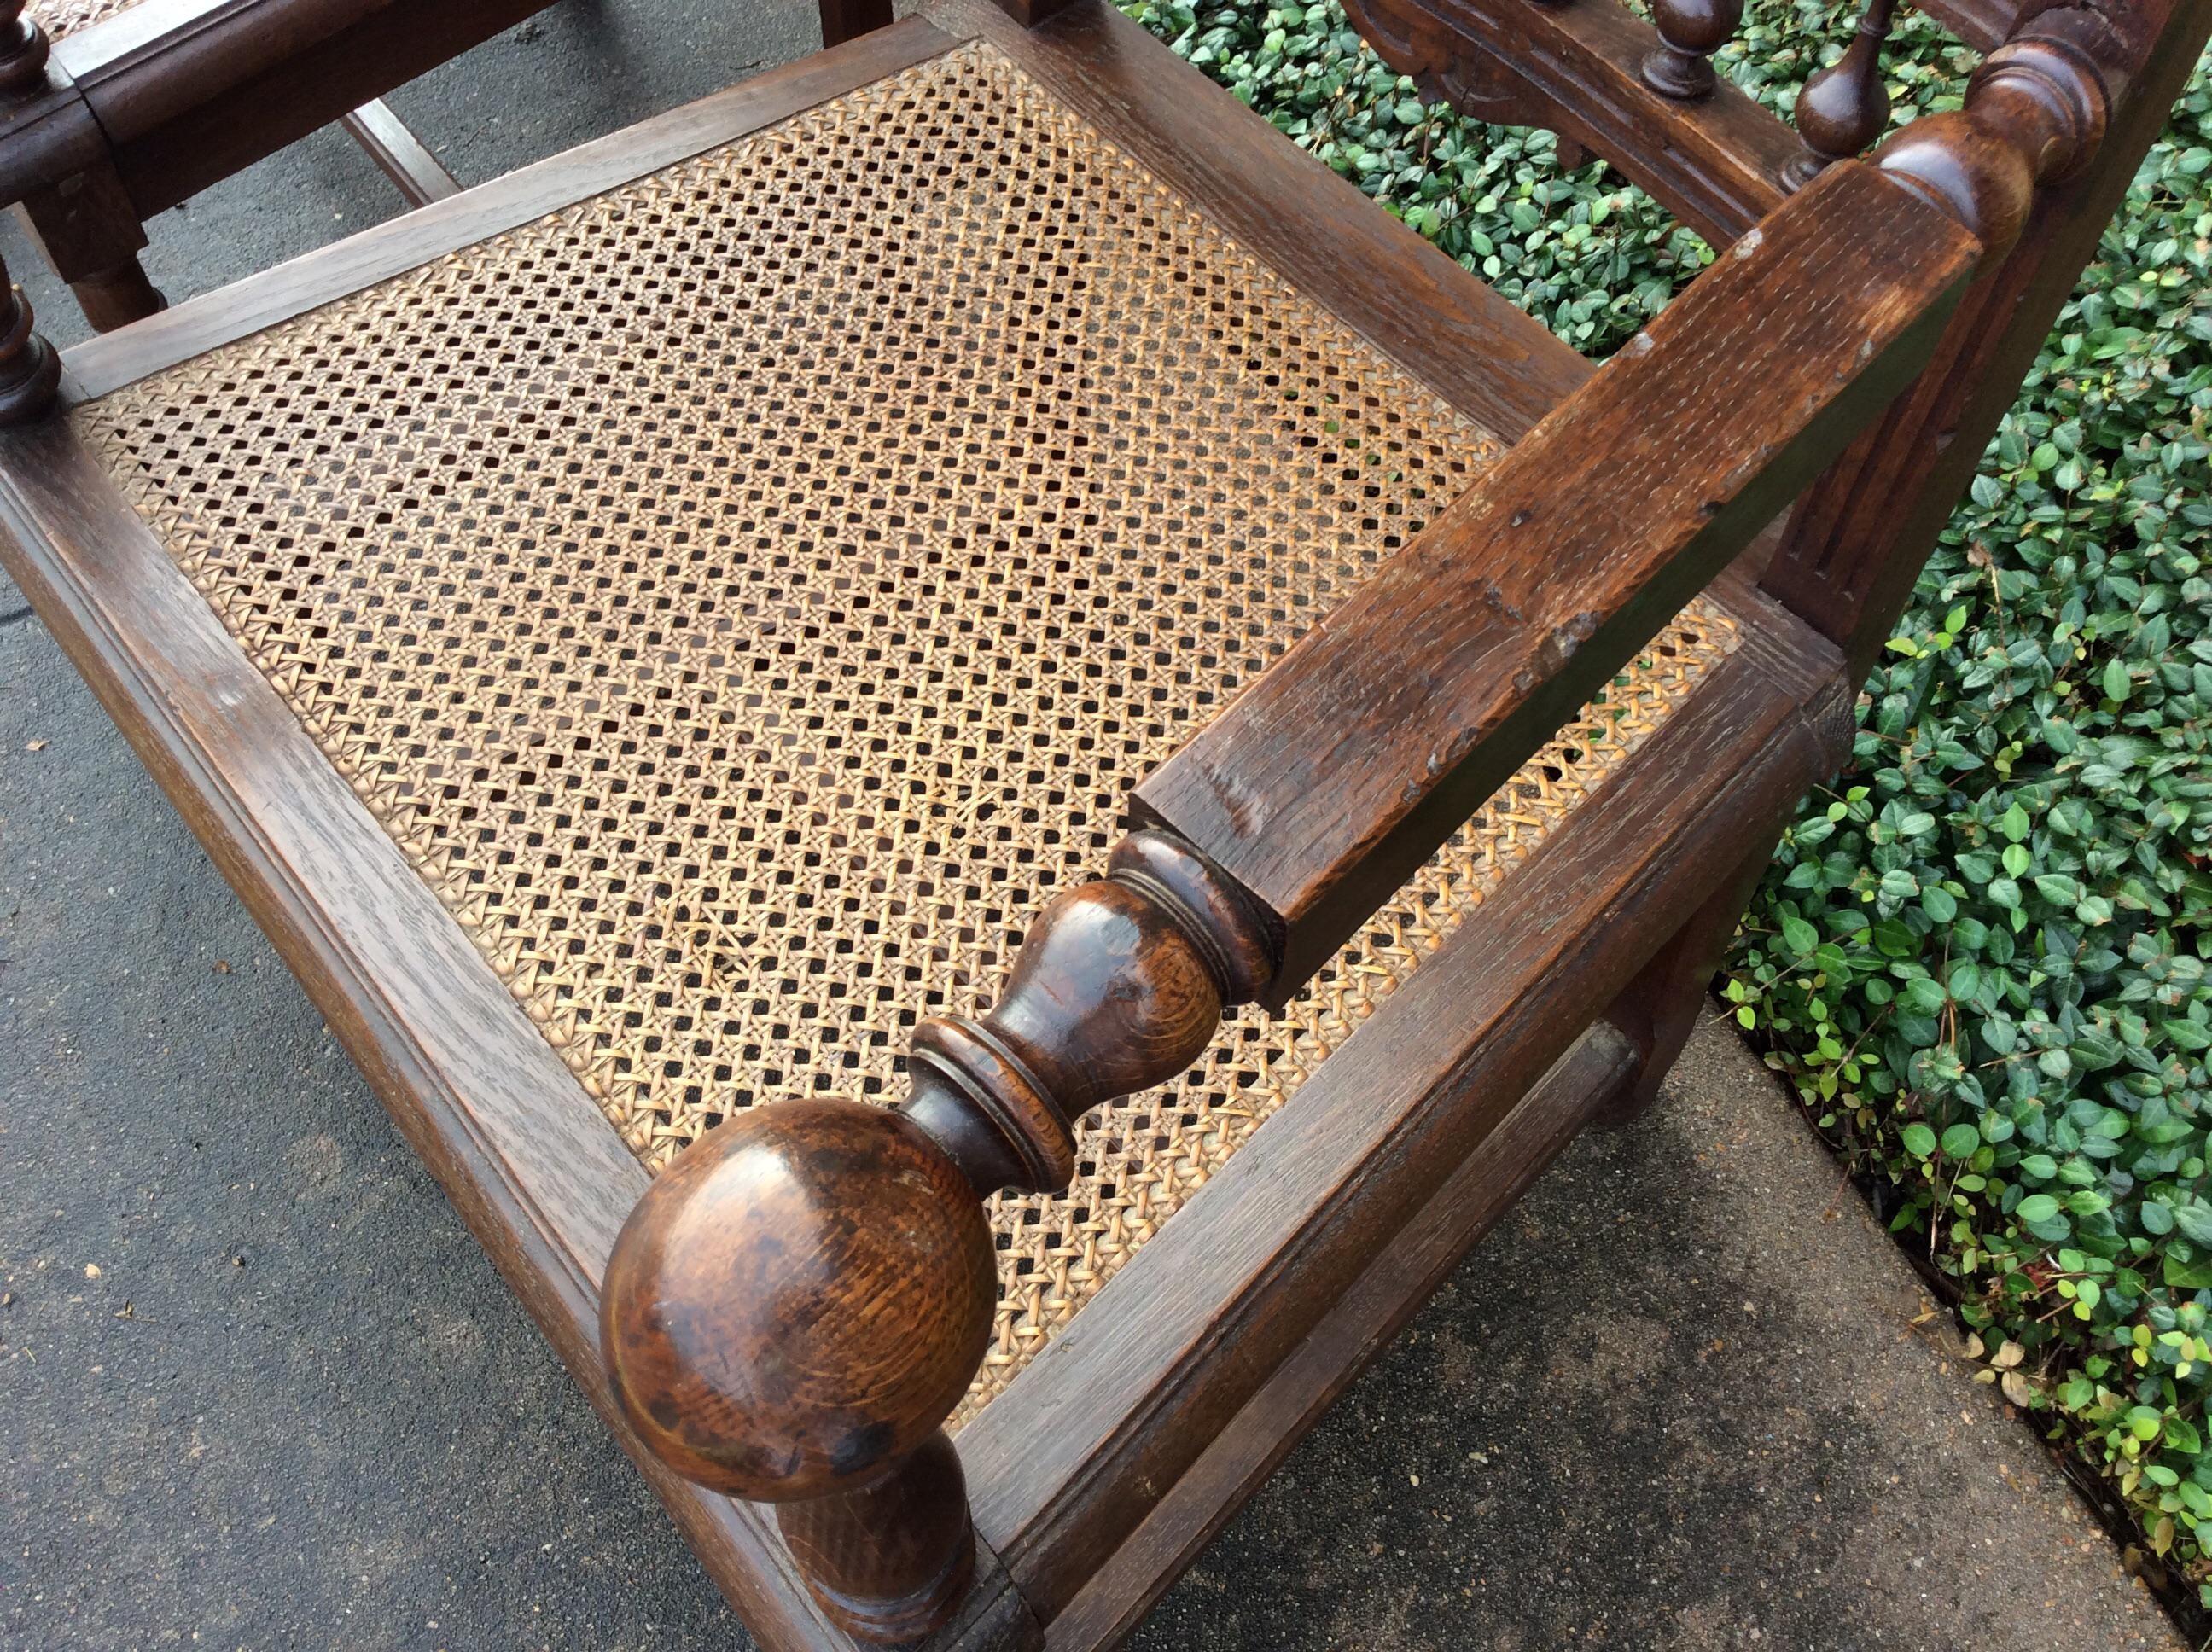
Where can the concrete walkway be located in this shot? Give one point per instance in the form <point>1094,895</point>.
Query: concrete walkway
<point>262,1390</point>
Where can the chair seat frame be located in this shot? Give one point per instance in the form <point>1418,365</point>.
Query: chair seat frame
<point>1102,1471</point>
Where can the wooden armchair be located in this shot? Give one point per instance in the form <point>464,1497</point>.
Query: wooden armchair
<point>112,110</point>
<point>648,635</point>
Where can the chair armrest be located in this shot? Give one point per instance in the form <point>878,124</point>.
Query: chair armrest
<point>1339,771</point>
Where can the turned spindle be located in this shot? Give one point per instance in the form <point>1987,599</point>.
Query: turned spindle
<point>1690,32</point>
<point>29,369</point>
<point>1844,106</point>
<point>798,1303</point>
<point>23,49</point>
<point>2035,111</point>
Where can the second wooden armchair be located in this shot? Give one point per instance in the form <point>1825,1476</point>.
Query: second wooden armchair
<point>985,765</point>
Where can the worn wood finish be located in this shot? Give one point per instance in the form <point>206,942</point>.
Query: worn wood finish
<point>1715,161</point>
<point>1067,1462</point>
<point>400,155</point>
<point>177,127</point>
<point>800,1301</point>
<point>890,1558</point>
<point>1130,1437</point>
<point>90,235</point>
<point>1400,1279</point>
<point>1329,779</point>
<point>1845,106</point>
<point>1858,540</point>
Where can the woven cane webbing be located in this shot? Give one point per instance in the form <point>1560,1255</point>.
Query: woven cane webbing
<point>746,596</point>
<point>63,17</point>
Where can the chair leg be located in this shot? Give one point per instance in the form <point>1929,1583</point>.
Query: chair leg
<point>888,1562</point>
<point>1658,1010</point>
<point>841,20</point>
<point>91,235</point>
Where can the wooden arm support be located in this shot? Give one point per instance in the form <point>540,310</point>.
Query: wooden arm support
<point>30,371</point>
<point>797,1305</point>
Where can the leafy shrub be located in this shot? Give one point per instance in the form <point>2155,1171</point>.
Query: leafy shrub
<point>1980,956</point>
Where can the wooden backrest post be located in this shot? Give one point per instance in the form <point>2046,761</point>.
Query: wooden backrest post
<point>1844,106</point>
<point>1691,31</point>
<point>23,51</point>
<point>30,372</point>
<point>2056,121</point>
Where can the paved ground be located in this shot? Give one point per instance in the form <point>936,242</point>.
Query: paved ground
<point>262,1390</point>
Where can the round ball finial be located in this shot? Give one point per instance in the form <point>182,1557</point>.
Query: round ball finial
<point>799,1300</point>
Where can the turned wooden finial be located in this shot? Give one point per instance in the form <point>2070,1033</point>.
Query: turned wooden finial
<point>1844,106</point>
<point>30,372</point>
<point>23,50</point>
<point>798,1303</point>
<point>2035,111</point>
<point>1691,31</point>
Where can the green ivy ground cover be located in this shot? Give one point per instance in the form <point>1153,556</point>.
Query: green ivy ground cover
<point>1980,956</point>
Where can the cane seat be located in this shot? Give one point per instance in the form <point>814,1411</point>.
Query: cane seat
<point>61,18</point>
<point>746,594</point>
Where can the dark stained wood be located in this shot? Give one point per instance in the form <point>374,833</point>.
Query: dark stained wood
<point>1578,68</point>
<point>189,118</point>
<point>890,1558</point>
<point>89,232</point>
<point>1401,1276</point>
<point>844,20</point>
<point>525,1154</point>
<point>1845,106</point>
<point>1030,13</point>
<point>2035,110</point>
<point>1336,774</point>
<point>30,371</point>
<point>1980,23</point>
<point>799,1300</point>
<point>400,155</point>
<point>23,51</point>
<point>1066,1463</point>
<point>102,365</point>
<point>1658,1010</point>
<point>825,1372</point>
<point>1690,32</point>
<point>1856,542</point>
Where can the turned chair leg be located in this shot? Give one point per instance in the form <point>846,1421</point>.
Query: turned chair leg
<point>90,233</point>
<point>890,1560</point>
<point>1658,1010</point>
<point>30,372</point>
<point>800,1301</point>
